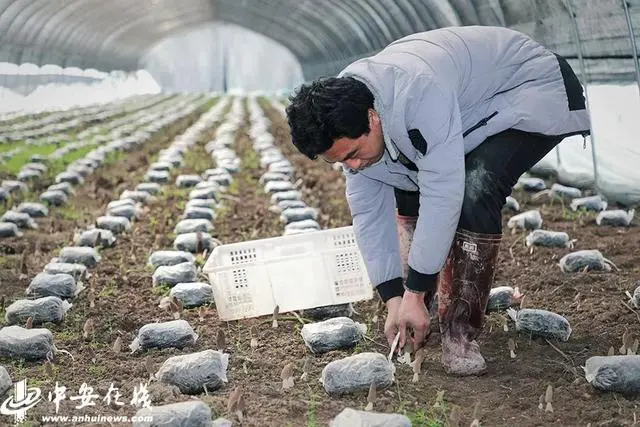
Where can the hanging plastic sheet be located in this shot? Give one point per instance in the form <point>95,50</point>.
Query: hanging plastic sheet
<point>614,113</point>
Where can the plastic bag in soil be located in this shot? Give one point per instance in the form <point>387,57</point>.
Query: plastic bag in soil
<point>130,212</point>
<point>65,187</point>
<point>303,225</point>
<point>501,298</point>
<point>115,224</point>
<point>328,311</point>
<point>529,220</point>
<point>191,373</point>
<point>195,212</point>
<point>530,184</point>
<point>95,237</point>
<point>512,204</point>
<point>78,271</point>
<point>357,418</point>
<point>231,165</point>
<point>9,229</point>
<point>33,344</point>
<point>207,185</point>
<point>35,166</point>
<point>357,372</point>
<point>287,170</point>
<point>139,196</point>
<point>615,218</point>
<point>285,195</point>
<point>289,204</point>
<point>202,203</point>
<point>591,203</point>
<point>161,166</point>
<point>22,220</point>
<point>272,176</point>
<point>152,188</point>
<point>620,373</point>
<point>203,193</point>
<point>29,175</point>
<point>193,226</point>
<point>60,285</point>
<point>214,172</point>
<point>541,323</point>
<point>279,164</point>
<point>160,177</point>
<point>185,181</point>
<point>158,258</point>
<point>80,255</point>
<point>5,381</point>
<point>587,259</point>
<point>120,203</point>
<point>54,197</point>
<point>191,413</point>
<point>171,275</point>
<point>41,310</point>
<point>171,334</point>
<point>559,191</point>
<point>192,294</point>
<point>299,214</point>
<point>222,180</point>
<point>278,186</point>
<point>195,242</point>
<point>34,210</point>
<point>332,334</point>
<point>13,186</point>
<point>551,239</point>
<point>73,178</point>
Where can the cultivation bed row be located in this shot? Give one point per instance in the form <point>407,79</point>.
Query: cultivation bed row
<point>72,119</point>
<point>57,194</point>
<point>61,147</point>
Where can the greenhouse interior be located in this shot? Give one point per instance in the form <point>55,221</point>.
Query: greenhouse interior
<point>145,148</point>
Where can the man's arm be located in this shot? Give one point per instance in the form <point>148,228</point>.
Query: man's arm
<point>372,205</point>
<point>441,178</point>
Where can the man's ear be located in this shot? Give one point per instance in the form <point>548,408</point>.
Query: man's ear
<point>374,118</point>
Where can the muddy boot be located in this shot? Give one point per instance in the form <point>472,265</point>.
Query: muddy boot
<point>406,227</point>
<point>463,296</point>
<point>445,278</point>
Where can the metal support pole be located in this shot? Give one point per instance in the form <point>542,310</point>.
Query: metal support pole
<point>583,72</point>
<point>626,6</point>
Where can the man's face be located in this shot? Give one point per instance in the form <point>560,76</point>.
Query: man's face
<point>360,152</point>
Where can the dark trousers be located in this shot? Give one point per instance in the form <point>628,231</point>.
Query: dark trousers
<point>492,169</point>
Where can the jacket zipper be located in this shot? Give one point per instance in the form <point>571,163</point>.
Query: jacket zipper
<point>481,123</point>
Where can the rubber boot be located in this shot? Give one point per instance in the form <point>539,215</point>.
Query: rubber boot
<point>406,227</point>
<point>463,294</point>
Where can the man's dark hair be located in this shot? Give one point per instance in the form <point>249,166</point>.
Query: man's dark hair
<point>327,109</point>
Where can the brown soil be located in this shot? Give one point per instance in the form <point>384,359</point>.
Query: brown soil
<point>124,300</point>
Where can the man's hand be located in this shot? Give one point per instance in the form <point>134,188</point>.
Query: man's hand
<point>412,314</point>
<point>391,324</point>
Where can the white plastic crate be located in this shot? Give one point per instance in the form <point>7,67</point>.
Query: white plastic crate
<point>295,272</point>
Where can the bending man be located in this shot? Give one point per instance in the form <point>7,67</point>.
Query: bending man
<point>433,132</point>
